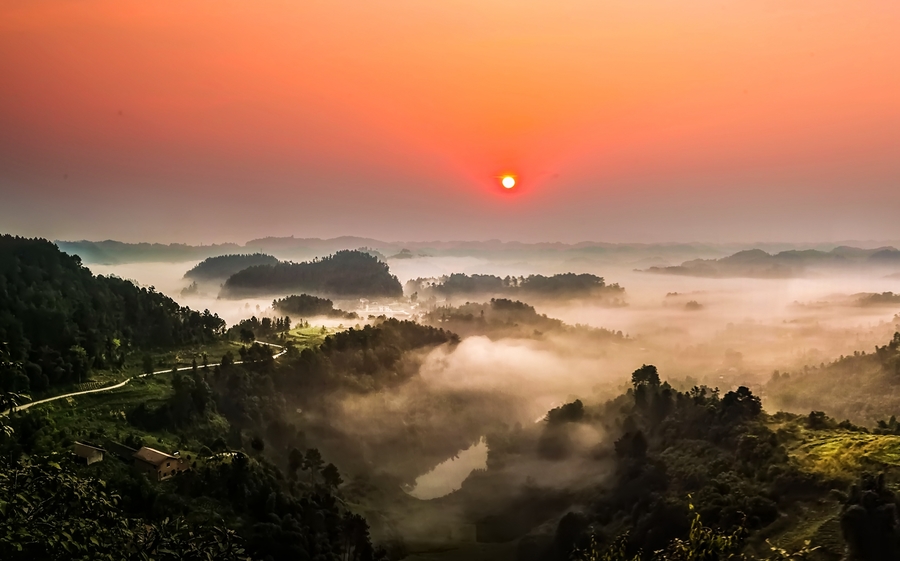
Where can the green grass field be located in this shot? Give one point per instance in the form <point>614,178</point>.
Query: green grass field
<point>162,360</point>
<point>838,455</point>
<point>308,336</point>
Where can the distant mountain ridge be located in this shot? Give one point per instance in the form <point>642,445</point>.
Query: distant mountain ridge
<point>756,263</point>
<point>291,248</point>
<point>110,252</point>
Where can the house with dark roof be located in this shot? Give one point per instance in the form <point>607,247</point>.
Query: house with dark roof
<point>158,465</point>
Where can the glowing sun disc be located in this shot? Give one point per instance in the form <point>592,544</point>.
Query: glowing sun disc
<point>508,181</point>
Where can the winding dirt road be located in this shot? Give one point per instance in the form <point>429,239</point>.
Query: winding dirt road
<point>121,384</point>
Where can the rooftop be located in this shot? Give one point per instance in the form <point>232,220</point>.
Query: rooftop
<point>152,456</point>
<point>91,446</point>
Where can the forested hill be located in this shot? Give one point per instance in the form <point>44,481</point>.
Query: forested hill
<point>502,318</point>
<point>347,273</point>
<point>870,397</point>
<point>565,285</point>
<point>58,320</point>
<point>223,266</point>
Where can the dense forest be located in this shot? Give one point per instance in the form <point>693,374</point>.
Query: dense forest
<point>248,330</point>
<point>565,285</point>
<point>223,266</point>
<point>306,306</point>
<point>58,321</point>
<point>345,273</point>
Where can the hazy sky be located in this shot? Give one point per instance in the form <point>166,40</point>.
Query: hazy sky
<point>624,120</point>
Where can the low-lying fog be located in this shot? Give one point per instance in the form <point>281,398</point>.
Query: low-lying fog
<point>688,326</point>
<point>722,332</point>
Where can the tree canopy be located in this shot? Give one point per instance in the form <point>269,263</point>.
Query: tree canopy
<point>304,305</point>
<point>347,273</point>
<point>564,285</point>
<point>223,266</point>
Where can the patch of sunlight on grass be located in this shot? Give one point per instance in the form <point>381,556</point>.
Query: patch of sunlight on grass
<point>842,454</point>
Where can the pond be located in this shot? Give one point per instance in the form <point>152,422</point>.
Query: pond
<point>448,475</point>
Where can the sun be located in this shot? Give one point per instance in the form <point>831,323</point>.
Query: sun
<point>508,181</point>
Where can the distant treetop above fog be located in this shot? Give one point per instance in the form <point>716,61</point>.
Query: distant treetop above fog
<point>223,266</point>
<point>306,306</point>
<point>565,285</point>
<point>756,263</point>
<point>348,273</point>
<point>504,318</point>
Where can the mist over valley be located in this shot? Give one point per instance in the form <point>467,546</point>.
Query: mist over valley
<point>449,281</point>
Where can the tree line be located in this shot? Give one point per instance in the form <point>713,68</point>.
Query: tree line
<point>305,305</point>
<point>564,285</point>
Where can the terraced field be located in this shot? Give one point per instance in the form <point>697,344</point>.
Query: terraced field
<point>841,454</point>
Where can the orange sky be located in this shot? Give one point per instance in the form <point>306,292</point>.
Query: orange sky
<point>637,120</point>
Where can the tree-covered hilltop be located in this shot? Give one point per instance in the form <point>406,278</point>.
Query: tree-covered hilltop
<point>223,266</point>
<point>622,475</point>
<point>363,359</point>
<point>306,306</point>
<point>565,285</point>
<point>348,273</point>
<point>870,397</point>
<point>365,404</point>
<point>876,299</point>
<point>58,320</point>
<point>502,317</point>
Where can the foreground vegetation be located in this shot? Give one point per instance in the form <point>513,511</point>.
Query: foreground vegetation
<point>678,476</point>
